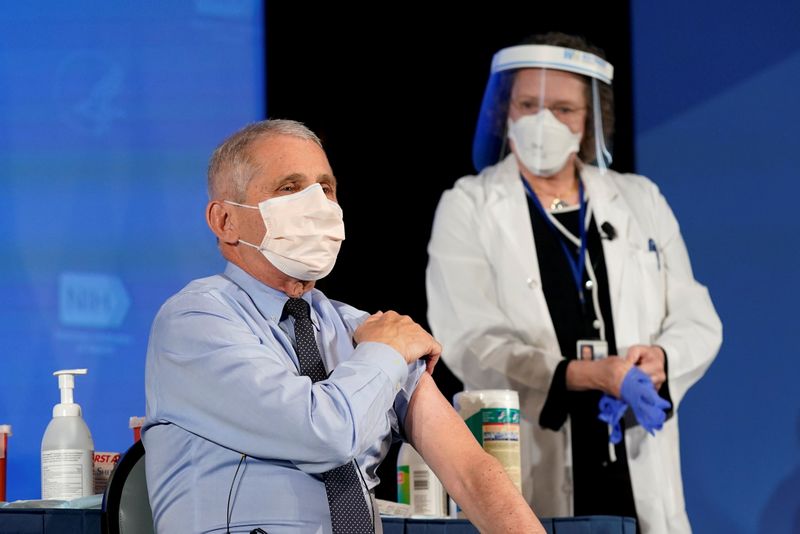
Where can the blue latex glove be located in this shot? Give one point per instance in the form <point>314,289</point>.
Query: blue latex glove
<point>611,411</point>
<point>640,393</point>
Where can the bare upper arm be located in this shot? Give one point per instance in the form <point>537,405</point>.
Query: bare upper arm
<point>441,437</point>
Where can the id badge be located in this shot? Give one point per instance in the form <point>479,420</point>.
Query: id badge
<point>591,349</point>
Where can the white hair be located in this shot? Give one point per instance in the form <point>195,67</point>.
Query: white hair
<point>231,166</point>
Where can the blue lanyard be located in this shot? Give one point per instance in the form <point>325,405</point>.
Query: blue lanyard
<point>575,266</point>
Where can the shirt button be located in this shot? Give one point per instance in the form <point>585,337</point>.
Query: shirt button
<point>589,285</point>
<point>596,324</point>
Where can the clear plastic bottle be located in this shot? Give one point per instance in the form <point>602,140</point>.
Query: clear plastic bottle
<point>67,447</point>
<point>418,486</point>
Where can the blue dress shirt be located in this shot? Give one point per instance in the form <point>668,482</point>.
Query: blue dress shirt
<point>223,380</point>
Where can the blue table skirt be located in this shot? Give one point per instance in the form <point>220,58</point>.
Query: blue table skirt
<point>553,525</point>
<point>64,521</point>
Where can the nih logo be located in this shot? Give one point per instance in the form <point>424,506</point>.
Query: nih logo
<point>89,300</point>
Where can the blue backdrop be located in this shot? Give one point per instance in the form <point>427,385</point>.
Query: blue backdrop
<point>109,112</point>
<point>716,118</point>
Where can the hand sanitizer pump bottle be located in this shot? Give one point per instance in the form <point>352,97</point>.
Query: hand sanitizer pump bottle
<point>67,447</point>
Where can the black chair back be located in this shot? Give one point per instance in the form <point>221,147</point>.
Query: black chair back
<point>126,506</point>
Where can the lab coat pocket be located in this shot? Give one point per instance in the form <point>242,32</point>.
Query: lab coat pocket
<point>653,290</point>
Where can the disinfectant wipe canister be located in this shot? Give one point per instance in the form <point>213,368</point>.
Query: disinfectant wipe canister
<point>493,417</point>
<point>67,447</point>
<point>5,431</point>
<point>418,486</point>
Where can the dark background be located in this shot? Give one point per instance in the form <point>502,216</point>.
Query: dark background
<point>394,95</point>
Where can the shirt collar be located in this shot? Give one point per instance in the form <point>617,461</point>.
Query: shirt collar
<point>268,300</point>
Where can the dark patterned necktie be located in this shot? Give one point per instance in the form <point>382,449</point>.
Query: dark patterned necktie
<point>349,511</point>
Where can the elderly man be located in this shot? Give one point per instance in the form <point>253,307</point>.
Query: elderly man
<point>268,405</point>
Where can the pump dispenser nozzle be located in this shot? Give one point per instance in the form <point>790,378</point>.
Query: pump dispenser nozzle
<point>66,383</point>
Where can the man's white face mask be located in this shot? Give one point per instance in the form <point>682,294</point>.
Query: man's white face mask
<point>304,232</point>
<point>542,142</point>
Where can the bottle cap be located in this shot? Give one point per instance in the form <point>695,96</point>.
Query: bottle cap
<point>134,422</point>
<point>5,430</point>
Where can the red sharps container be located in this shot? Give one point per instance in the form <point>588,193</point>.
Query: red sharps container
<point>5,431</point>
<point>135,424</point>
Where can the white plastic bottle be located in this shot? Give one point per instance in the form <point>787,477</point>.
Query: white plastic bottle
<point>67,447</point>
<point>418,486</point>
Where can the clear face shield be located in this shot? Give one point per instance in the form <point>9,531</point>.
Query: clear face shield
<point>544,103</point>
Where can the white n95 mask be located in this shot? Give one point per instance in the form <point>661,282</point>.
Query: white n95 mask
<point>542,142</point>
<point>304,232</point>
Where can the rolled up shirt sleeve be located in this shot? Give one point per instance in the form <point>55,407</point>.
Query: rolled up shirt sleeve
<point>211,375</point>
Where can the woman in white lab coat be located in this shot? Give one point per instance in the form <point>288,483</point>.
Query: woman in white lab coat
<point>541,251</point>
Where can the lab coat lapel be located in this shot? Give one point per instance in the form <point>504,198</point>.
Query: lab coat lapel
<point>608,206</point>
<point>509,208</point>
<point>518,276</point>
